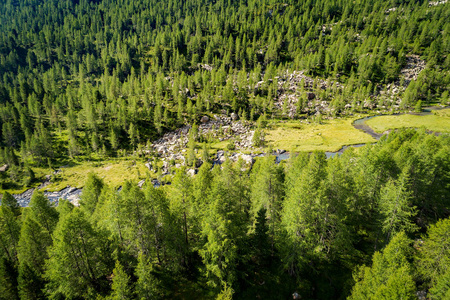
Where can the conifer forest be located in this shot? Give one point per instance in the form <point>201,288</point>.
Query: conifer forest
<point>225,149</point>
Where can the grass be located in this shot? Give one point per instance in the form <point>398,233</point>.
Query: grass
<point>113,172</point>
<point>331,135</point>
<point>439,121</point>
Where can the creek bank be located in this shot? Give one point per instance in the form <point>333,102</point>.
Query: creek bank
<point>69,193</point>
<point>361,123</point>
<point>72,194</point>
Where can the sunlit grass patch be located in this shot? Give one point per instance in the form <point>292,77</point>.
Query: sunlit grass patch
<point>114,173</point>
<point>439,121</point>
<point>331,135</point>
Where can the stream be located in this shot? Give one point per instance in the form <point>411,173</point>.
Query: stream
<point>360,124</point>
<point>73,194</point>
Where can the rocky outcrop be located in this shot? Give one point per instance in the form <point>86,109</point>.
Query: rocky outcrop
<point>392,92</point>
<point>435,3</point>
<point>288,94</point>
<point>414,65</point>
<point>172,144</point>
<point>69,193</point>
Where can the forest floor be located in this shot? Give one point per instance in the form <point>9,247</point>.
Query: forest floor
<point>330,135</point>
<point>438,121</point>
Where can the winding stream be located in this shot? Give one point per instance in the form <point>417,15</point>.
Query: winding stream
<point>360,124</point>
<point>73,194</point>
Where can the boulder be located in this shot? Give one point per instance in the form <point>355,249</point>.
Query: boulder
<point>248,159</point>
<point>191,172</point>
<point>204,119</point>
<point>234,116</point>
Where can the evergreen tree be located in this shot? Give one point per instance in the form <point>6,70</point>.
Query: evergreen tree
<point>79,259</point>
<point>91,193</point>
<point>121,285</point>
<point>43,212</point>
<point>9,201</point>
<point>147,283</point>
<point>390,276</point>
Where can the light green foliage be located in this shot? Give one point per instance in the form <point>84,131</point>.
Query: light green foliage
<point>138,221</point>
<point>9,238</point>
<point>193,132</point>
<point>390,276</point>
<point>11,202</point>
<point>91,193</point>
<point>181,206</point>
<point>434,254</point>
<point>147,283</point>
<point>32,253</point>
<point>226,293</point>
<point>441,288</point>
<point>418,107</point>
<point>267,192</point>
<point>311,219</point>
<point>201,189</point>
<point>121,285</point>
<point>33,243</point>
<point>43,212</point>
<point>9,233</point>
<point>396,208</point>
<point>223,228</point>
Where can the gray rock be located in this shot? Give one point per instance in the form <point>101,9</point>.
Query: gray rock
<point>204,119</point>
<point>248,159</point>
<point>234,116</point>
<point>191,172</point>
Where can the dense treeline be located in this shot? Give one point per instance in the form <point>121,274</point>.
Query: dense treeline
<point>304,225</point>
<point>82,77</point>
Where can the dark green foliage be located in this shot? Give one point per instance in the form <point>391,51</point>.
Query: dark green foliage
<point>305,225</point>
<point>81,79</point>
<point>9,201</point>
<point>119,74</point>
<point>79,259</point>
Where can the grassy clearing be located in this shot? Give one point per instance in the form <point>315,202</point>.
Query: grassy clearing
<point>439,121</point>
<point>113,173</point>
<point>332,135</point>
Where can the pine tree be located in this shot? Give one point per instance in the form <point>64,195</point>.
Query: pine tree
<point>32,253</point>
<point>390,276</point>
<point>11,202</point>
<point>147,284</point>
<point>267,192</point>
<point>79,259</point>
<point>91,192</point>
<point>43,212</point>
<point>121,285</point>
<point>395,206</point>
